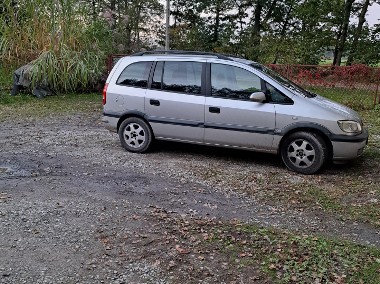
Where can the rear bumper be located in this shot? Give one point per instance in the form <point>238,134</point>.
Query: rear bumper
<point>350,147</point>
<point>110,122</point>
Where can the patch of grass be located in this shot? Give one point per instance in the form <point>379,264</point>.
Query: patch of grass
<point>330,61</point>
<point>366,212</point>
<point>15,101</point>
<point>366,274</point>
<point>25,106</point>
<point>288,258</point>
<point>245,251</point>
<point>356,99</point>
<point>326,62</point>
<point>351,201</point>
<point>323,199</point>
<point>371,120</point>
<point>6,78</point>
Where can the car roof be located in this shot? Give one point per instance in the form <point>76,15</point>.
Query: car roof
<point>187,53</point>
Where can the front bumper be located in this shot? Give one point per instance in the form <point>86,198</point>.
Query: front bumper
<point>349,147</point>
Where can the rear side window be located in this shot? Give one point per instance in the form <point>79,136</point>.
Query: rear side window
<point>178,76</point>
<point>135,75</point>
<point>233,82</point>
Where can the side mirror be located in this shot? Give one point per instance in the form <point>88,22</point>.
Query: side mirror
<point>258,97</point>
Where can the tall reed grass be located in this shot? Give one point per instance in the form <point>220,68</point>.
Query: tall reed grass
<point>60,40</point>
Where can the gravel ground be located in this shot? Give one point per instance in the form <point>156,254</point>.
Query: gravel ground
<point>76,208</point>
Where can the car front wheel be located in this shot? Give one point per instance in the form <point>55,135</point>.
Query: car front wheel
<point>304,152</point>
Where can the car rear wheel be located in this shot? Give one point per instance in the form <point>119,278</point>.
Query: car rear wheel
<point>135,135</point>
<point>304,152</point>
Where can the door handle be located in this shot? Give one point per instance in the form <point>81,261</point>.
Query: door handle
<point>214,109</point>
<point>154,102</point>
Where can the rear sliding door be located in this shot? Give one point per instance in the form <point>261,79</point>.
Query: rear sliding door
<point>175,101</point>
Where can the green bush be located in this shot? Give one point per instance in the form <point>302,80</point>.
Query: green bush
<point>65,45</point>
<point>66,70</point>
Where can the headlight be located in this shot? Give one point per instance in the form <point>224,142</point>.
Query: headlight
<point>349,126</point>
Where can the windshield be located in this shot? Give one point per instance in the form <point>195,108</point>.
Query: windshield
<point>283,81</point>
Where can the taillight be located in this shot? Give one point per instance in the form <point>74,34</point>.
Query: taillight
<point>105,93</point>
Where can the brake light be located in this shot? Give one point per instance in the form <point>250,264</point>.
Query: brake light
<point>105,93</point>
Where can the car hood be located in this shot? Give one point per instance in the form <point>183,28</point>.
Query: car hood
<point>342,110</point>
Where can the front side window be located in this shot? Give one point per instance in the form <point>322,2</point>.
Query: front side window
<point>233,82</point>
<point>178,76</point>
<point>135,75</point>
<point>275,96</point>
<point>283,81</point>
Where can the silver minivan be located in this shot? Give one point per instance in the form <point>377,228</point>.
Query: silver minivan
<point>217,100</point>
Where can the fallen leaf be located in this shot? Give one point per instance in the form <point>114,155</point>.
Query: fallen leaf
<point>272,266</point>
<point>181,250</point>
<point>171,264</point>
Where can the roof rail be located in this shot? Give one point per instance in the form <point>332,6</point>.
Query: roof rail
<point>182,52</point>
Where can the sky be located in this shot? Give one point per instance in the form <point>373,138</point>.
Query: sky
<point>373,15</point>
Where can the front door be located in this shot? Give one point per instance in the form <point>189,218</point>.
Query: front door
<point>231,119</point>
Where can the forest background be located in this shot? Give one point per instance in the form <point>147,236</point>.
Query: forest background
<point>68,41</point>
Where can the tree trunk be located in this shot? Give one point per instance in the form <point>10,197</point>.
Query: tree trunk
<point>113,5</point>
<point>137,27</point>
<point>113,10</point>
<point>217,21</point>
<point>270,10</point>
<point>358,32</point>
<point>343,38</point>
<point>175,16</point>
<point>94,13</point>
<point>283,32</point>
<point>337,40</point>
<point>256,36</point>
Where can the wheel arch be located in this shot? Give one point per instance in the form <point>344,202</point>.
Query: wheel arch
<point>133,113</point>
<point>320,130</point>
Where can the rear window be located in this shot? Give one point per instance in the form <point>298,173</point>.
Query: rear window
<point>135,75</point>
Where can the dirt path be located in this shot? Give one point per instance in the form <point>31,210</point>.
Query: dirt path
<point>76,208</point>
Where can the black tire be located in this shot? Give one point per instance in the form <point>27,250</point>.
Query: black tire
<point>304,152</point>
<point>135,135</point>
